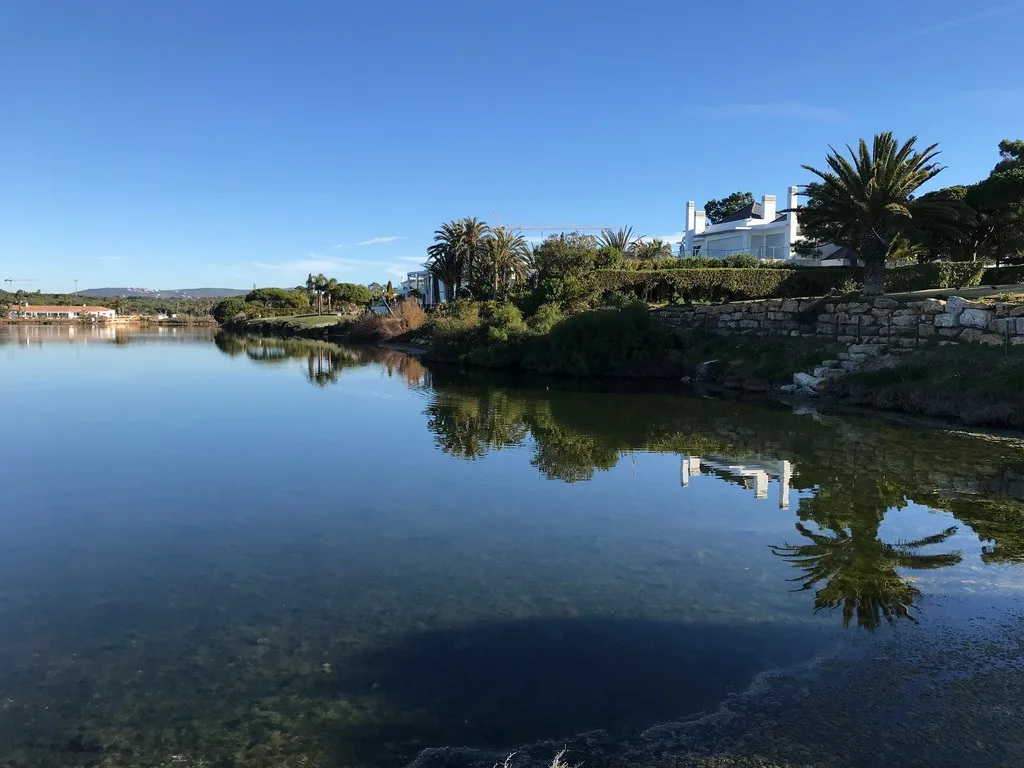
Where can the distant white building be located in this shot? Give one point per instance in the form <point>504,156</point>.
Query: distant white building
<point>44,312</point>
<point>758,229</point>
<point>426,286</point>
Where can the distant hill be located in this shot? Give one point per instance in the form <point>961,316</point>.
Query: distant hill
<point>152,293</point>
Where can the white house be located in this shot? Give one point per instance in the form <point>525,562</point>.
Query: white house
<point>429,289</point>
<point>44,312</point>
<point>758,229</point>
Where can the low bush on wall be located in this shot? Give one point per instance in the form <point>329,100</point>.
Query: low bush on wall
<point>703,284</point>
<point>1003,276</point>
<point>709,284</point>
<point>944,274</point>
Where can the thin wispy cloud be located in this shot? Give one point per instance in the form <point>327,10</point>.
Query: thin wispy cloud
<point>343,267</point>
<point>312,264</point>
<point>959,21</point>
<point>788,110</point>
<point>378,240</point>
<point>339,245</point>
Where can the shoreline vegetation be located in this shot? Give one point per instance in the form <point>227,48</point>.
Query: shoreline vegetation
<point>579,305</point>
<point>617,338</point>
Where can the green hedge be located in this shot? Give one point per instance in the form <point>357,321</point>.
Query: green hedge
<point>735,284</point>
<point>1003,276</point>
<point>709,284</point>
<point>735,261</point>
<point>921,277</point>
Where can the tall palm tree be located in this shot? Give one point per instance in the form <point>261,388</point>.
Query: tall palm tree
<point>506,257</point>
<point>869,199</point>
<point>622,238</point>
<point>445,259</point>
<point>311,287</point>
<point>859,570</point>
<point>472,233</point>
<point>330,286</point>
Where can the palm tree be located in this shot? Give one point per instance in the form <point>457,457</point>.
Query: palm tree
<point>506,256</point>
<point>329,287</point>
<point>622,239</point>
<point>655,248</point>
<point>311,287</point>
<point>860,570</point>
<point>445,260</point>
<point>470,243</point>
<point>869,199</point>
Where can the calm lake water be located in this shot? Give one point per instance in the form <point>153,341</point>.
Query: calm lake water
<point>226,552</point>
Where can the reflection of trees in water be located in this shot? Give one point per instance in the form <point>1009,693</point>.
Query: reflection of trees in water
<point>859,472</point>
<point>470,426</point>
<point>324,362</point>
<point>859,570</point>
<point>845,555</point>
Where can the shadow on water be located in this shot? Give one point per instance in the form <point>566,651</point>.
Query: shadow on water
<point>504,683</point>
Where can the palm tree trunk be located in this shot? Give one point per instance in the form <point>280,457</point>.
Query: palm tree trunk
<point>872,251</point>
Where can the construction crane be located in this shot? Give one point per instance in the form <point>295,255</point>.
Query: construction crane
<point>542,228</point>
<point>11,281</point>
<point>559,228</point>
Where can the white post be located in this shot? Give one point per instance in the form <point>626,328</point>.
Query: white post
<point>792,225</point>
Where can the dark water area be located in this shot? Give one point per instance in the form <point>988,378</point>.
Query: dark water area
<point>239,552</point>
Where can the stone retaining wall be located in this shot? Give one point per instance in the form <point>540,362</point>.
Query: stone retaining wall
<point>885,320</point>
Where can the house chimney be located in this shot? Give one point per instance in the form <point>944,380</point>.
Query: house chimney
<point>768,207</point>
<point>792,224</point>
<point>698,222</point>
<point>691,209</point>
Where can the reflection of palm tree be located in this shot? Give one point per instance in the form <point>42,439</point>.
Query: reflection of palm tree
<point>320,367</point>
<point>860,570</point>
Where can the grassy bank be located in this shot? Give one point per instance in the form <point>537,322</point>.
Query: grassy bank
<point>612,343</point>
<point>968,384</point>
<point>302,326</point>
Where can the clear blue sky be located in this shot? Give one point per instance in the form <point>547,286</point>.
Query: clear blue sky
<point>230,142</point>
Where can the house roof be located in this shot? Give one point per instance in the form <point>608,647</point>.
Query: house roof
<point>52,308</point>
<point>752,211</point>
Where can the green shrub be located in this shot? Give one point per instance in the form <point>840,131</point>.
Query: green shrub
<point>605,343</point>
<point>1003,276</point>
<point>944,274</point>
<point>229,309</point>
<point>608,257</point>
<point>736,261</point>
<point>704,284</point>
<point>727,284</point>
<point>545,318</point>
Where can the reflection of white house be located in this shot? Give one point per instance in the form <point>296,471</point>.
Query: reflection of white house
<point>429,289</point>
<point>43,312</point>
<point>758,229</point>
<point>753,472</point>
